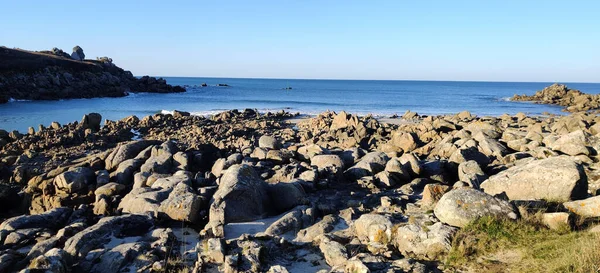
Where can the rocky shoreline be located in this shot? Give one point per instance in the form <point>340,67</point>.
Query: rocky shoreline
<point>53,75</point>
<point>248,192</point>
<point>560,94</point>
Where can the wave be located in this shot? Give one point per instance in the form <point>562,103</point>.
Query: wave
<point>16,100</point>
<point>505,99</point>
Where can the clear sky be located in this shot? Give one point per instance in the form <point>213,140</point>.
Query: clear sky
<point>412,40</point>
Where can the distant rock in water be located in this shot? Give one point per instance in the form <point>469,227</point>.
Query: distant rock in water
<point>52,75</point>
<point>560,94</point>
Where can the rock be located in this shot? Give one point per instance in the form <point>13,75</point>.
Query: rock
<point>181,161</point>
<point>427,243</point>
<point>182,204</point>
<point>127,151</point>
<point>334,252</point>
<point>467,154</point>
<point>328,163</point>
<point>91,121</point>
<point>374,228</point>
<point>291,221</point>
<point>75,180</point>
<point>432,193</point>
<point>554,179</point>
<point>354,265</point>
<point>407,142</point>
<point>101,233</point>
<point>144,200</point>
<point>589,207</point>
<point>461,206</point>
<point>52,219</point>
<point>117,257</point>
<point>285,196</point>
<point>268,142</point>
<point>242,196</point>
<point>55,260</point>
<point>371,164</point>
<point>280,156</point>
<point>162,163</point>
<point>471,173</point>
<point>309,234</point>
<point>126,169</point>
<point>109,189</point>
<point>411,164</point>
<point>572,144</point>
<point>306,153</point>
<point>557,220</point>
<point>215,250</point>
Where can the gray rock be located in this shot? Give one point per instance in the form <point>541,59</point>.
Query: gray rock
<point>373,228</point>
<point>52,219</point>
<point>461,206</point>
<point>324,226</point>
<point>328,163</point>
<point>182,204</point>
<point>554,179</point>
<point>91,121</point>
<point>285,196</point>
<point>101,233</point>
<point>471,173</point>
<point>268,142</point>
<point>115,258</point>
<point>74,181</point>
<point>55,260</point>
<point>242,196</point>
<point>125,171</point>
<point>428,243</point>
<point>371,164</point>
<point>162,163</point>
<point>572,144</point>
<point>126,151</point>
<point>334,252</point>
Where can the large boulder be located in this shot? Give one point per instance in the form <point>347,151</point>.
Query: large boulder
<point>268,142</point>
<point>182,204</point>
<point>329,163</point>
<point>52,219</point>
<point>91,121</point>
<point>572,144</point>
<point>462,206</point>
<point>285,196</point>
<point>554,179</point>
<point>126,151</point>
<point>104,231</point>
<point>75,180</point>
<point>241,196</point>
<point>370,164</point>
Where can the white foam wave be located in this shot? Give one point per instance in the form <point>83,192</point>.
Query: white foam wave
<point>16,100</point>
<point>505,99</point>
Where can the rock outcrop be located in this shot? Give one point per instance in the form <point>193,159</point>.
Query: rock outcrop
<point>28,75</point>
<point>560,94</point>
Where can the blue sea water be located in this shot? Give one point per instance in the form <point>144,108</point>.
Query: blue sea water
<point>381,98</point>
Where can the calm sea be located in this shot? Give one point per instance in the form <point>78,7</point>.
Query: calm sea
<point>306,96</point>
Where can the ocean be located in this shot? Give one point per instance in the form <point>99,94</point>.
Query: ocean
<point>380,98</point>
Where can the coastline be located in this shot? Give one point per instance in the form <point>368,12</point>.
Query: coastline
<point>316,181</point>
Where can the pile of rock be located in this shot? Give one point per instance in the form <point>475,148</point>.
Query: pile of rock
<point>337,192</point>
<point>560,94</point>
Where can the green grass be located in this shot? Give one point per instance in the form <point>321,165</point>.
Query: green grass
<point>493,245</point>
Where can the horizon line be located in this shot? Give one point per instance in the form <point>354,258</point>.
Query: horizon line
<point>341,79</point>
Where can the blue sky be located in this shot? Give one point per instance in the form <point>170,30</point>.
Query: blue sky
<point>411,40</point>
